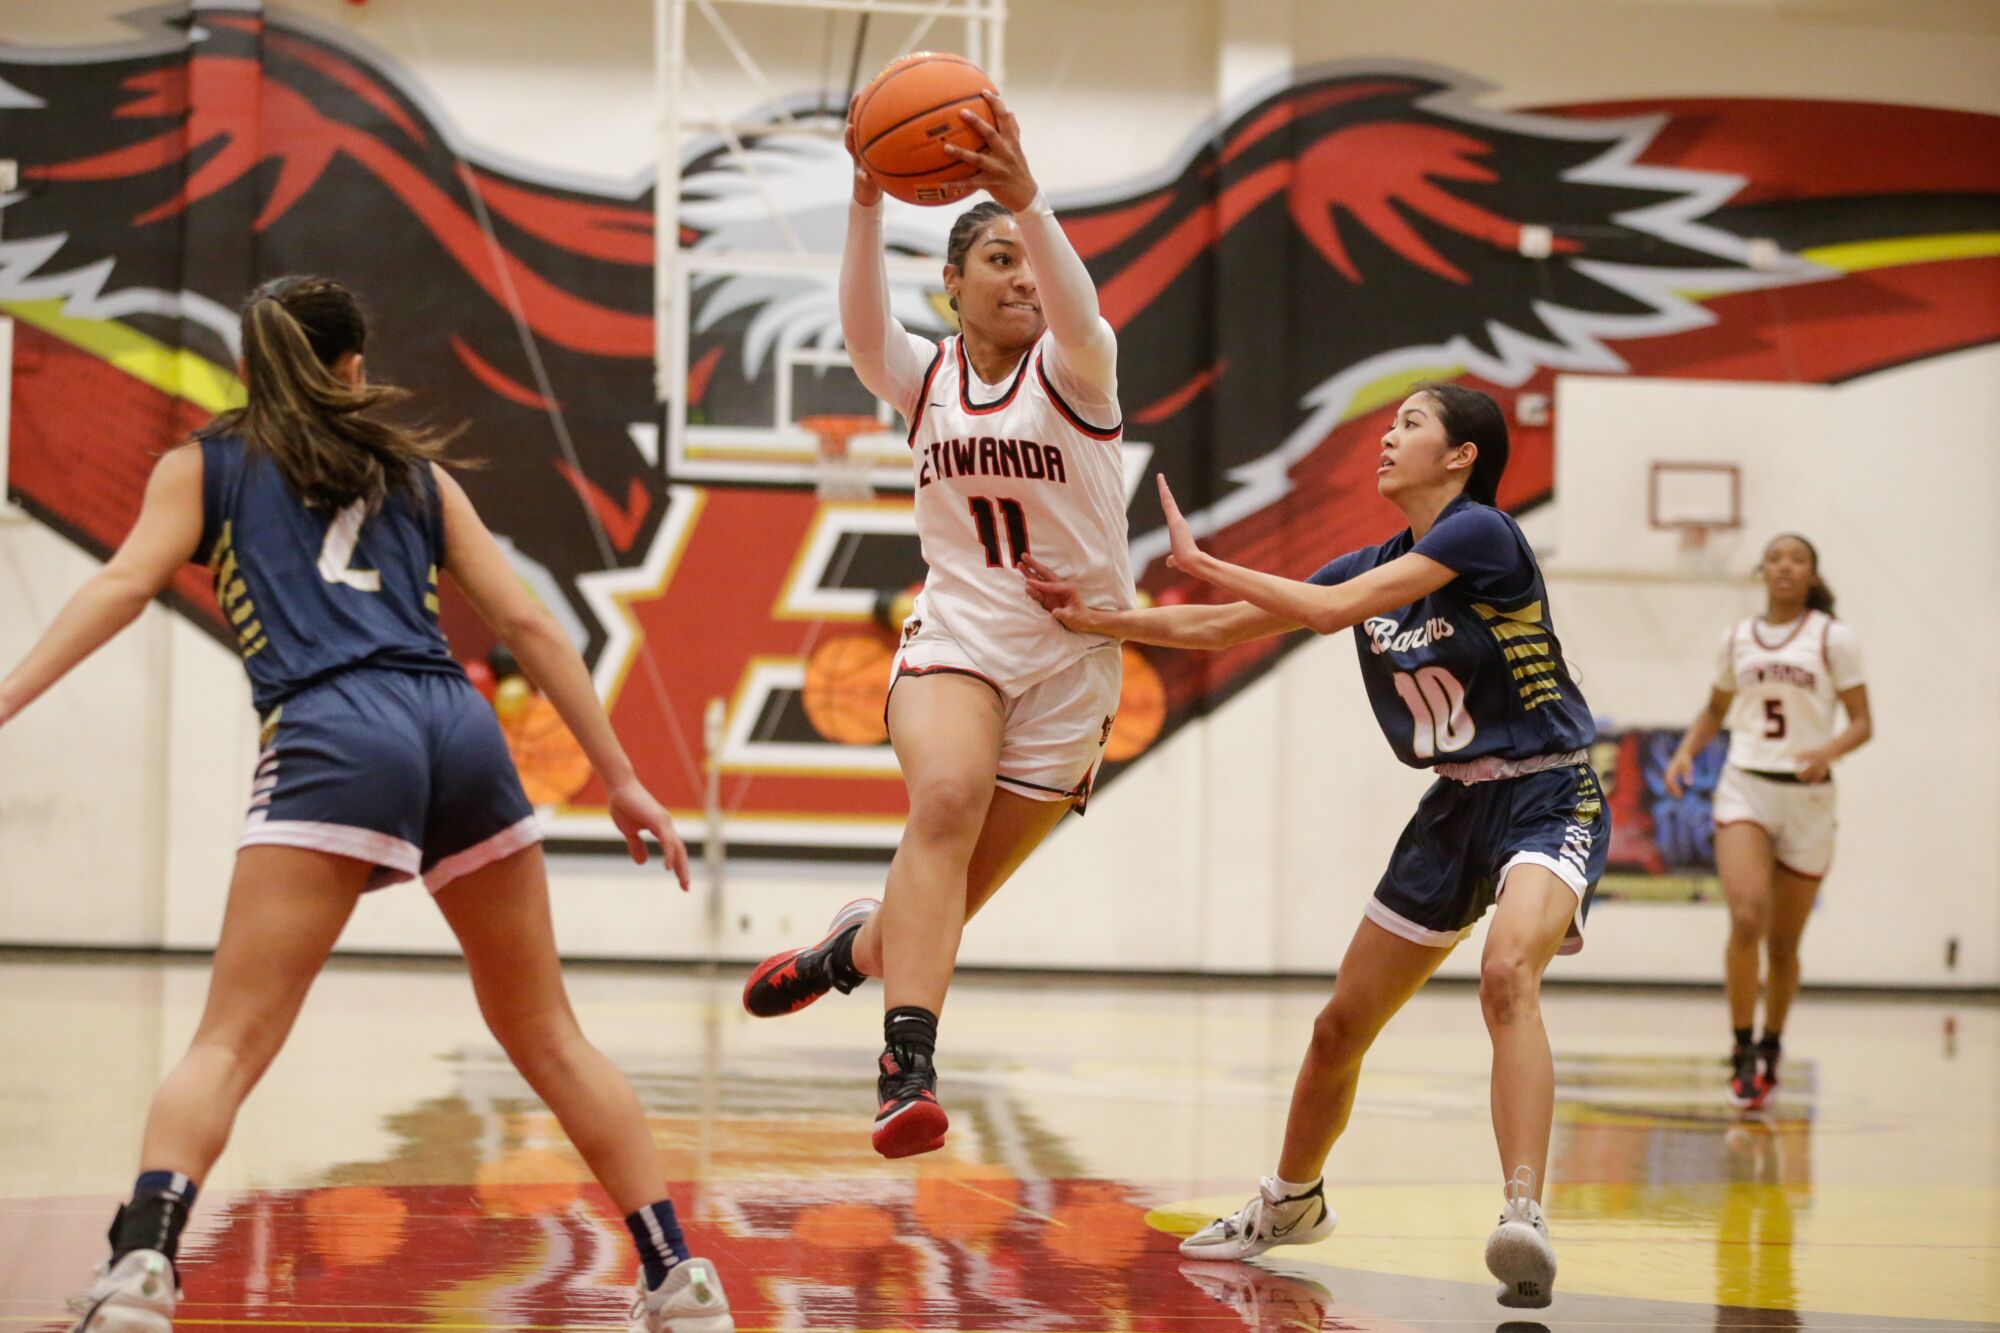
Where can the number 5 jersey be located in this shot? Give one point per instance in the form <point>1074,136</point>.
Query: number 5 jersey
<point>1003,471</point>
<point>1787,680</point>
<point>1474,670</point>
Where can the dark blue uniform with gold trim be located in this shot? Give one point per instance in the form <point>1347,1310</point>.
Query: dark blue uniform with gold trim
<point>375,745</point>
<point>1471,681</point>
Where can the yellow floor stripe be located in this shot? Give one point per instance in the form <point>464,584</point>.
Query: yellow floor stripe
<point>1912,1252</point>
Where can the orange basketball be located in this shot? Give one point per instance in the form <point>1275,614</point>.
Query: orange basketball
<point>552,763</point>
<point>847,687</point>
<point>904,116</point>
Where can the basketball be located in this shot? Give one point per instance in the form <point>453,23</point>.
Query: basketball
<point>552,764</point>
<point>907,113</point>
<point>847,687</point>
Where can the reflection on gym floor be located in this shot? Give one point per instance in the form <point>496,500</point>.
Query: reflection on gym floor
<point>394,1172</point>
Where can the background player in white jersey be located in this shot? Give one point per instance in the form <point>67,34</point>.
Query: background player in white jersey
<point>1778,684</point>
<point>998,714</point>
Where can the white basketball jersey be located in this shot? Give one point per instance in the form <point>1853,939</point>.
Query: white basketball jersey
<point>1000,473</point>
<point>1787,680</point>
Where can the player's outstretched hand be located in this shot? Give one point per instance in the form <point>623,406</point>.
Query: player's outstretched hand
<point>866,192</point>
<point>1680,771</point>
<point>634,811</point>
<point>1002,167</point>
<point>1186,556</point>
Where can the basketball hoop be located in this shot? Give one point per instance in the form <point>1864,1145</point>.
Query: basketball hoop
<point>842,477</point>
<point>1697,501</point>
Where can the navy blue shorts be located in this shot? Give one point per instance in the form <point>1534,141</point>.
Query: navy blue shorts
<point>1452,861</point>
<point>404,769</point>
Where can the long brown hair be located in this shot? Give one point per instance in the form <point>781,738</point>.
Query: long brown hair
<point>329,438</point>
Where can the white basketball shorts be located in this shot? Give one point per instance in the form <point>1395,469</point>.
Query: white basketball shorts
<point>1056,729</point>
<point>1798,816</point>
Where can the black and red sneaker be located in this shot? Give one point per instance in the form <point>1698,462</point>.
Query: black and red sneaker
<point>787,982</point>
<point>908,1120</point>
<point>1768,1053</point>
<point>1745,1080</point>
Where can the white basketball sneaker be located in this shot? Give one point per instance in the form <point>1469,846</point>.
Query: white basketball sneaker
<point>689,1301</point>
<point>134,1295</point>
<point>1270,1219</point>
<point>1518,1252</point>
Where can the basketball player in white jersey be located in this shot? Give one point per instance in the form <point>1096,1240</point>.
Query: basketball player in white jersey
<point>1780,678</point>
<point>998,714</point>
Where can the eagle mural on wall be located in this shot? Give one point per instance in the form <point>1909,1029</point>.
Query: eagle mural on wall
<point>1275,285</point>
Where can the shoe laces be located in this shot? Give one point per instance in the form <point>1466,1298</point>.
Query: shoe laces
<point>905,1073</point>
<point>1520,1196</point>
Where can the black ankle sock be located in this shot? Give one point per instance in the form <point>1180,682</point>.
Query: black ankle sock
<point>1769,1043</point>
<point>1743,1037</point>
<point>155,1217</point>
<point>840,961</point>
<point>912,1029</point>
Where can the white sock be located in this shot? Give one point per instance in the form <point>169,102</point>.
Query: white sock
<point>1290,1190</point>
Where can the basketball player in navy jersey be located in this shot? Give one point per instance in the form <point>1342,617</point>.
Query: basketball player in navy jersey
<point>326,527</point>
<point>1781,682</point>
<point>1461,661</point>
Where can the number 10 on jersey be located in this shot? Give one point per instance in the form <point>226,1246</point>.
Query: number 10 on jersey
<point>989,531</point>
<point>1436,702</point>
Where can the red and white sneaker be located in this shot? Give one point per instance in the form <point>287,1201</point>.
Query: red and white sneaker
<point>787,982</point>
<point>908,1119</point>
<point>1746,1081</point>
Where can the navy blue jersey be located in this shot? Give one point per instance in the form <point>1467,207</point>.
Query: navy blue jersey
<point>1475,668</point>
<point>312,593</point>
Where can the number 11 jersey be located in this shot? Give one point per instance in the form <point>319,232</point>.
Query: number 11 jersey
<point>1474,670</point>
<point>1002,472</point>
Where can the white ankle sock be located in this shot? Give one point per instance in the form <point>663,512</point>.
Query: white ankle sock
<point>1291,1190</point>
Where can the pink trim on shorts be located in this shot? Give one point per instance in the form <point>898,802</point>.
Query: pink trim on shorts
<point>525,833</point>
<point>361,844</point>
<point>1401,926</point>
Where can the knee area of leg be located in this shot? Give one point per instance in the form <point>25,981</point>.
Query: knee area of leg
<point>1506,982</point>
<point>1748,923</point>
<point>1337,1038</point>
<point>948,808</point>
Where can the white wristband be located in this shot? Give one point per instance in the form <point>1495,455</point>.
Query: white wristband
<point>1038,207</point>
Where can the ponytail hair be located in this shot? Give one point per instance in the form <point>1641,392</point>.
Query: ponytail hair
<point>328,437</point>
<point>1819,597</point>
<point>1470,416</point>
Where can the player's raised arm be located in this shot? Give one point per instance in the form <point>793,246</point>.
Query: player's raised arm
<point>1324,610</point>
<point>1087,350</point>
<point>164,539</point>
<point>887,357</point>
